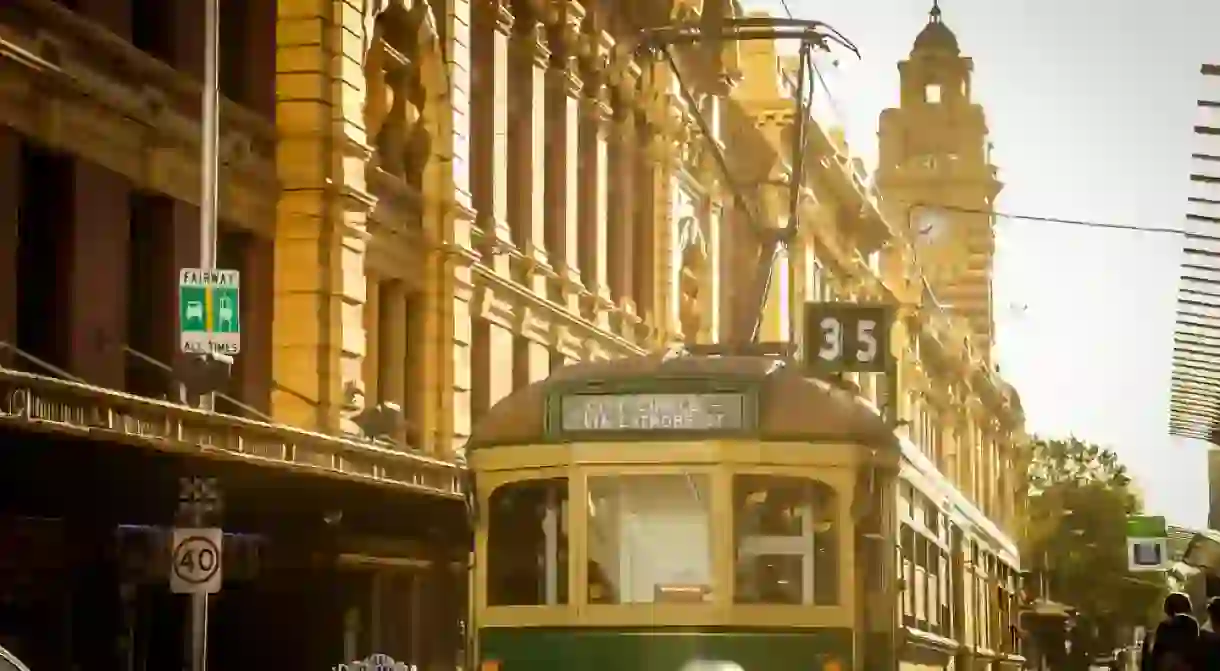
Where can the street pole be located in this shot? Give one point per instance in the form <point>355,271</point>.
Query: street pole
<point>209,195</point>
<point>208,204</point>
<point>199,605</point>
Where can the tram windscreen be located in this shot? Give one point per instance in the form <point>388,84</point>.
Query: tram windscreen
<point>584,413</point>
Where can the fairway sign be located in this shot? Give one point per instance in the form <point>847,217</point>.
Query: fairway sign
<point>1147,543</point>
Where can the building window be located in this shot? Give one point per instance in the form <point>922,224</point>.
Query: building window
<point>527,544</point>
<point>931,94</point>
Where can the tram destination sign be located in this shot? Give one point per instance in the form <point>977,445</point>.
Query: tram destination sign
<point>605,413</point>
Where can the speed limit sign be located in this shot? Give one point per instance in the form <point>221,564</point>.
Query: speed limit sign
<point>195,566</point>
<point>847,337</point>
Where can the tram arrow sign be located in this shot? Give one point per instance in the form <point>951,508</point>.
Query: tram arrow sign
<point>196,561</point>
<point>1147,543</point>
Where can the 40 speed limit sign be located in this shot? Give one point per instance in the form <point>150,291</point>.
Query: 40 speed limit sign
<point>195,563</point>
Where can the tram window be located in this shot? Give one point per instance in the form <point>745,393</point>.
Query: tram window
<point>527,544</point>
<point>786,540</point>
<point>649,539</point>
<point>908,574</point>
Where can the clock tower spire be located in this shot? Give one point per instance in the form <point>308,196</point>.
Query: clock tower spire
<point>934,171</point>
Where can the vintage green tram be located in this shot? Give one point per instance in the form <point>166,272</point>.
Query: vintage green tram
<point>700,512</point>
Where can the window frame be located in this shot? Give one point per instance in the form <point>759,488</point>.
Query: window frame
<point>842,481</point>
<point>707,473</point>
<point>779,543</point>
<point>541,614</point>
<point>628,614</point>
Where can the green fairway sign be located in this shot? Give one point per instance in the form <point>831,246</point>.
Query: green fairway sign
<point>209,311</point>
<point>1147,543</point>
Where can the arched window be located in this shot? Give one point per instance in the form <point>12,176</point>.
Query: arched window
<point>527,544</point>
<point>786,540</point>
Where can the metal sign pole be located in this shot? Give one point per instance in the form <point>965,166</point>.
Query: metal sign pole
<point>199,612</point>
<point>199,632</point>
<point>196,559</point>
<point>209,171</point>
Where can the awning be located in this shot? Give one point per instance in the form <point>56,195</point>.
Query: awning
<point>1194,410</point>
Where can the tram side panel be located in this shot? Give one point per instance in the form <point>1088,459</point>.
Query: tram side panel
<point>957,600</point>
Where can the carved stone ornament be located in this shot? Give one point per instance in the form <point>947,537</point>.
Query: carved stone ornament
<point>420,18</point>
<point>503,11</point>
<point>396,98</point>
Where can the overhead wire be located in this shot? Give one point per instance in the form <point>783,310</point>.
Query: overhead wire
<point>1085,223</point>
<point>742,202</point>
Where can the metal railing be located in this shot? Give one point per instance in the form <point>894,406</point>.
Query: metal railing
<point>65,404</point>
<point>172,375</point>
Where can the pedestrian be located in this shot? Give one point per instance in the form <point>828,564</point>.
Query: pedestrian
<point>1175,604</point>
<point>1209,639</point>
<point>1176,647</point>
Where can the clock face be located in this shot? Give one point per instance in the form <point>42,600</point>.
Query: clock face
<point>930,224</point>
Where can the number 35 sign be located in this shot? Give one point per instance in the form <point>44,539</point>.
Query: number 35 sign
<point>847,337</point>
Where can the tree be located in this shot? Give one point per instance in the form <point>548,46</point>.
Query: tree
<point>1075,536</point>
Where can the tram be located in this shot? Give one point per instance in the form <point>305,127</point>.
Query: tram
<point>726,512</point>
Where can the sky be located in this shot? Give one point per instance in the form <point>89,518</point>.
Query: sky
<point>1090,106</point>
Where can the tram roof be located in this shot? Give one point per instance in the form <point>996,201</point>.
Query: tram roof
<point>790,406</point>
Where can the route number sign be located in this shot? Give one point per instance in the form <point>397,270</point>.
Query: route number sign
<point>196,561</point>
<point>847,337</point>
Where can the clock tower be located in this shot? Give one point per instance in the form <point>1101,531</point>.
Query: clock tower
<point>935,174</point>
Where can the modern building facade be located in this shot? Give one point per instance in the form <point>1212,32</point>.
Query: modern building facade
<point>1195,386</point>
<point>1213,489</point>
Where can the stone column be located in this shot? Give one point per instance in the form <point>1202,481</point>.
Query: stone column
<point>529,57</point>
<point>620,186</point>
<point>661,153</point>
<point>487,50</point>
<point>10,204</point>
<point>101,220</point>
<point>371,370</point>
<point>501,355</point>
<point>320,231</point>
<point>711,297</point>
<point>531,361</point>
<point>392,367</point>
<point>596,131</point>
<point>538,361</point>
<point>643,214</point>
<point>492,24</point>
<point>565,157</point>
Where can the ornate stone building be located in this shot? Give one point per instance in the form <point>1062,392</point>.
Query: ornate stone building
<point>331,537</point>
<point>477,192</point>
